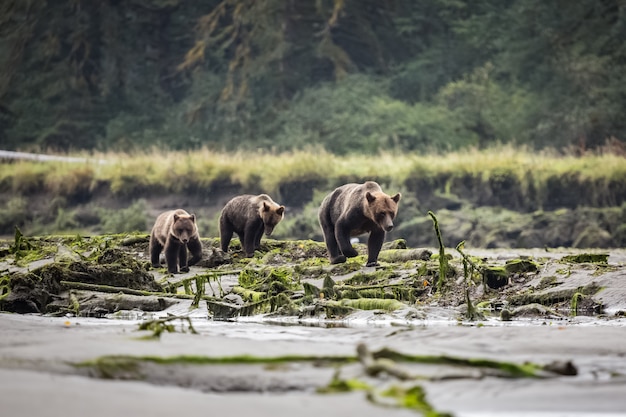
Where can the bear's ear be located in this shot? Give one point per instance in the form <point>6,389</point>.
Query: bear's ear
<point>396,197</point>
<point>176,217</point>
<point>280,210</point>
<point>193,217</point>
<point>370,197</point>
<point>266,207</point>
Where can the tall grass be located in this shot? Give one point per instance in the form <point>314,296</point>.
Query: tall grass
<point>134,174</point>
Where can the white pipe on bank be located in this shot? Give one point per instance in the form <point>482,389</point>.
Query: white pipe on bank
<point>42,157</point>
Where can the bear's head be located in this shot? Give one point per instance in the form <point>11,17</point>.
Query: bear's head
<point>382,209</point>
<point>184,227</point>
<point>271,215</point>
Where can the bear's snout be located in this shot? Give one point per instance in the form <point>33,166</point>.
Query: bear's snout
<point>388,227</point>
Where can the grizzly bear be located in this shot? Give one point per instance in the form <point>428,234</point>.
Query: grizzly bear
<point>249,216</point>
<point>175,231</point>
<point>354,209</point>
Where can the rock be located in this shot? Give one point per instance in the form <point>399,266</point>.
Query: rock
<point>495,277</point>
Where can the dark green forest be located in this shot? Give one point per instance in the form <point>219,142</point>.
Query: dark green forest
<point>345,75</point>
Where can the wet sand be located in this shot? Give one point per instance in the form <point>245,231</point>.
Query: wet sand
<point>39,354</point>
<point>37,378</point>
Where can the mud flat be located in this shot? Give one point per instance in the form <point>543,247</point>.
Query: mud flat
<point>78,366</point>
<point>506,333</point>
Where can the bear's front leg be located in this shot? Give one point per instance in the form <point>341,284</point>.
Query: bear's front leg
<point>195,247</point>
<point>374,244</point>
<point>342,235</point>
<point>172,250</point>
<point>247,242</point>
<point>182,258</point>
<point>257,238</point>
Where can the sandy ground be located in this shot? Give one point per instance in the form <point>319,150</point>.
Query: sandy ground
<point>36,377</point>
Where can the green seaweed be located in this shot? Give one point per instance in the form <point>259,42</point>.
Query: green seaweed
<point>26,250</point>
<point>269,279</point>
<point>5,286</point>
<point>351,265</point>
<point>574,303</point>
<point>520,266</point>
<point>502,369</point>
<point>222,360</point>
<point>337,385</point>
<point>600,258</point>
<point>200,290</point>
<point>413,398</point>
<point>373,304</point>
<point>494,276</point>
<point>115,367</point>
<point>443,260</point>
<point>506,369</point>
<point>249,295</point>
<point>468,271</point>
<point>74,304</point>
<point>158,326</point>
<point>553,297</point>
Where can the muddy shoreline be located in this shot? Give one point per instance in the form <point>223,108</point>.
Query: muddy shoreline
<point>274,334</point>
<point>39,355</point>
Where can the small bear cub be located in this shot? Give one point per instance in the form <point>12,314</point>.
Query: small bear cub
<point>249,216</point>
<point>175,231</point>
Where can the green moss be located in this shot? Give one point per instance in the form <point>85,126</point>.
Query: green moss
<point>552,297</point>
<point>373,304</point>
<point>413,398</point>
<point>404,255</point>
<point>26,250</point>
<point>526,370</point>
<point>379,276</point>
<point>494,276</point>
<point>115,367</point>
<point>587,258</point>
<point>5,287</point>
<point>574,303</point>
<point>133,361</point>
<point>520,266</point>
<point>268,279</point>
<point>249,295</point>
<point>337,385</point>
<point>345,268</point>
<point>564,271</point>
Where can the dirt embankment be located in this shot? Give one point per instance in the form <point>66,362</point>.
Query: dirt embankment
<point>491,212</point>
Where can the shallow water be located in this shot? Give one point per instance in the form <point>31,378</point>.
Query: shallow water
<point>596,347</point>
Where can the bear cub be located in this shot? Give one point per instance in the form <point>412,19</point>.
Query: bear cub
<point>249,216</point>
<point>175,231</point>
<point>354,209</point>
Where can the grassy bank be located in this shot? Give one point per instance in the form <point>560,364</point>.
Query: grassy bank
<point>44,196</point>
<point>127,175</point>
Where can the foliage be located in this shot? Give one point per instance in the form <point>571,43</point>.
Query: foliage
<point>132,218</point>
<point>350,77</point>
<point>13,214</point>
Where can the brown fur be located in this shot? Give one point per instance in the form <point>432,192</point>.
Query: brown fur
<point>174,232</point>
<point>354,209</point>
<point>249,216</point>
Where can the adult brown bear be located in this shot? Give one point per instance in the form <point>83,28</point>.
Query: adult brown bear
<point>354,209</point>
<point>174,231</point>
<point>249,216</point>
